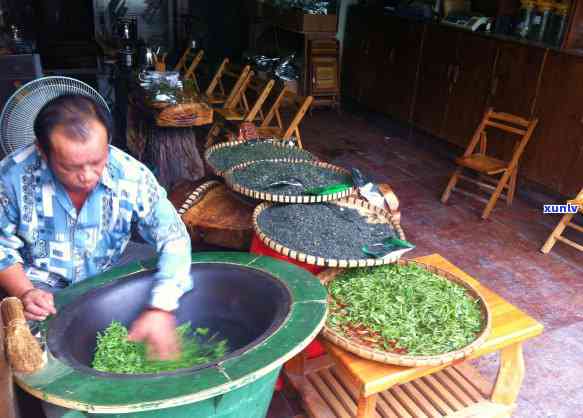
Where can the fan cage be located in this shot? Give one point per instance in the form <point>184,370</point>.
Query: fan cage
<point>21,109</point>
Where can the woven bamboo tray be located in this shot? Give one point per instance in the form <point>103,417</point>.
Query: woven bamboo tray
<point>185,115</point>
<point>285,198</point>
<point>215,215</point>
<point>403,359</point>
<point>231,144</point>
<point>374,213</point>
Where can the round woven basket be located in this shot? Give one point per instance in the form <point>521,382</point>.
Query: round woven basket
<point>196,195</point>
<point>185,115</point>
<point>366,352</point>
<point>231,144</point>
<point>286,198</point>
<point>374,213</point>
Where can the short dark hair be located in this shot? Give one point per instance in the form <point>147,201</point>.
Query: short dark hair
<point>72,112</point>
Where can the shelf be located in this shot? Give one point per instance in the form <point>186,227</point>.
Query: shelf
<point>458,391</point>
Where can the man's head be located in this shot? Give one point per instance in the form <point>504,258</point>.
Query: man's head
<point>72,134</point>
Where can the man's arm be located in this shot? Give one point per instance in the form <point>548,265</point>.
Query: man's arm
<point>37,303</point>
<point>161,226</point>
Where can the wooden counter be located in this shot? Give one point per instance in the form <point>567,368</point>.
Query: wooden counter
<point>343,385</point>
<point>441,79</point>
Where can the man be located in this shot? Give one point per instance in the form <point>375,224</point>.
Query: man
<point>67,206</point>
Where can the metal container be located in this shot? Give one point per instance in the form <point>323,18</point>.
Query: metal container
<point>126,56</point>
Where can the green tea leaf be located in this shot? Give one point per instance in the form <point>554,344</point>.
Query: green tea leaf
<point>115,354</point>
<point>406,308</point>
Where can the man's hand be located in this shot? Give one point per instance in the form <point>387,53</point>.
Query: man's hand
<point>38,304</point>
<point>157,329</point>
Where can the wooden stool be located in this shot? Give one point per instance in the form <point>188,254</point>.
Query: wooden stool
<point>342,384</point>
<point>215,215</point>
<point>566,221</point>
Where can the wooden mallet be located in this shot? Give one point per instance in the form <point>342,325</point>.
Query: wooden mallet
<point>22,348</point>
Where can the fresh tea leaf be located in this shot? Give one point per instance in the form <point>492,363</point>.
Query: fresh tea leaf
<point>115,354</point>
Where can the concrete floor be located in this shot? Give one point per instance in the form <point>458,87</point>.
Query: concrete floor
<point>502,252</point>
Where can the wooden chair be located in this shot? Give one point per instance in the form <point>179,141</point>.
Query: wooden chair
<point>235,114</point>
<point>189,69</point>
<point>278,130</point>
<point>489,167</point>
<point>232,102</point>
<point>566,221</point>
<point>225,71</point>
<point>211,95</point>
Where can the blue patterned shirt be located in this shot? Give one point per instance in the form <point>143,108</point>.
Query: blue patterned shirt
<point>40,227</point>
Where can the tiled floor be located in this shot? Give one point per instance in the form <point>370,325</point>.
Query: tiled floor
<point>502,252</point>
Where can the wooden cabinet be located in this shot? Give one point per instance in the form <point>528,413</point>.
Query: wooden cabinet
<point>442,79</point>
<point>323,72</point>
<point>515,78</point>
<point>357,67</point>
<point>470,83</point>
<point>513,88</point>
<point>453,85</point>
<point>435,76</point>
<point>397,67</point>
<point>553,156</point>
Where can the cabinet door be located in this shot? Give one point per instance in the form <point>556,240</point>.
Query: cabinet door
<point>555,149</point>
<point>437,59</point>
<point>369,62</point>
<point>573,180</point>
<point>515,78</point>
<point>471,82</point>
<point>513,89</point>
<point>355,41</point>
<point>397,67</point>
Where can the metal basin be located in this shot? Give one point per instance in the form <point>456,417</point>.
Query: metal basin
<point>240,304</point>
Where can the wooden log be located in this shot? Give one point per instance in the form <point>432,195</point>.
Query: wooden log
<point>173,154</point>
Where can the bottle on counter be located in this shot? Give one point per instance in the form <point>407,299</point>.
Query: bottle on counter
<point>127,56</point>
<point>527,8</point>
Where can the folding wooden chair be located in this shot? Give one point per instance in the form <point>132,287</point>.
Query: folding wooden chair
<point>181,65</point>
<point>188,69</point>
<point>489,167</point>
<point>566,221</point>
<point>279,131</point>
<point>232,102</point>
<point>235,114</point>
<point>211,95</point>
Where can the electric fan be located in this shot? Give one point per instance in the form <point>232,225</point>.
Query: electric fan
<point>19,113</point>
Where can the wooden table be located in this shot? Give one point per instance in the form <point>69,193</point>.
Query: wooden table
<point>344,385</point>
